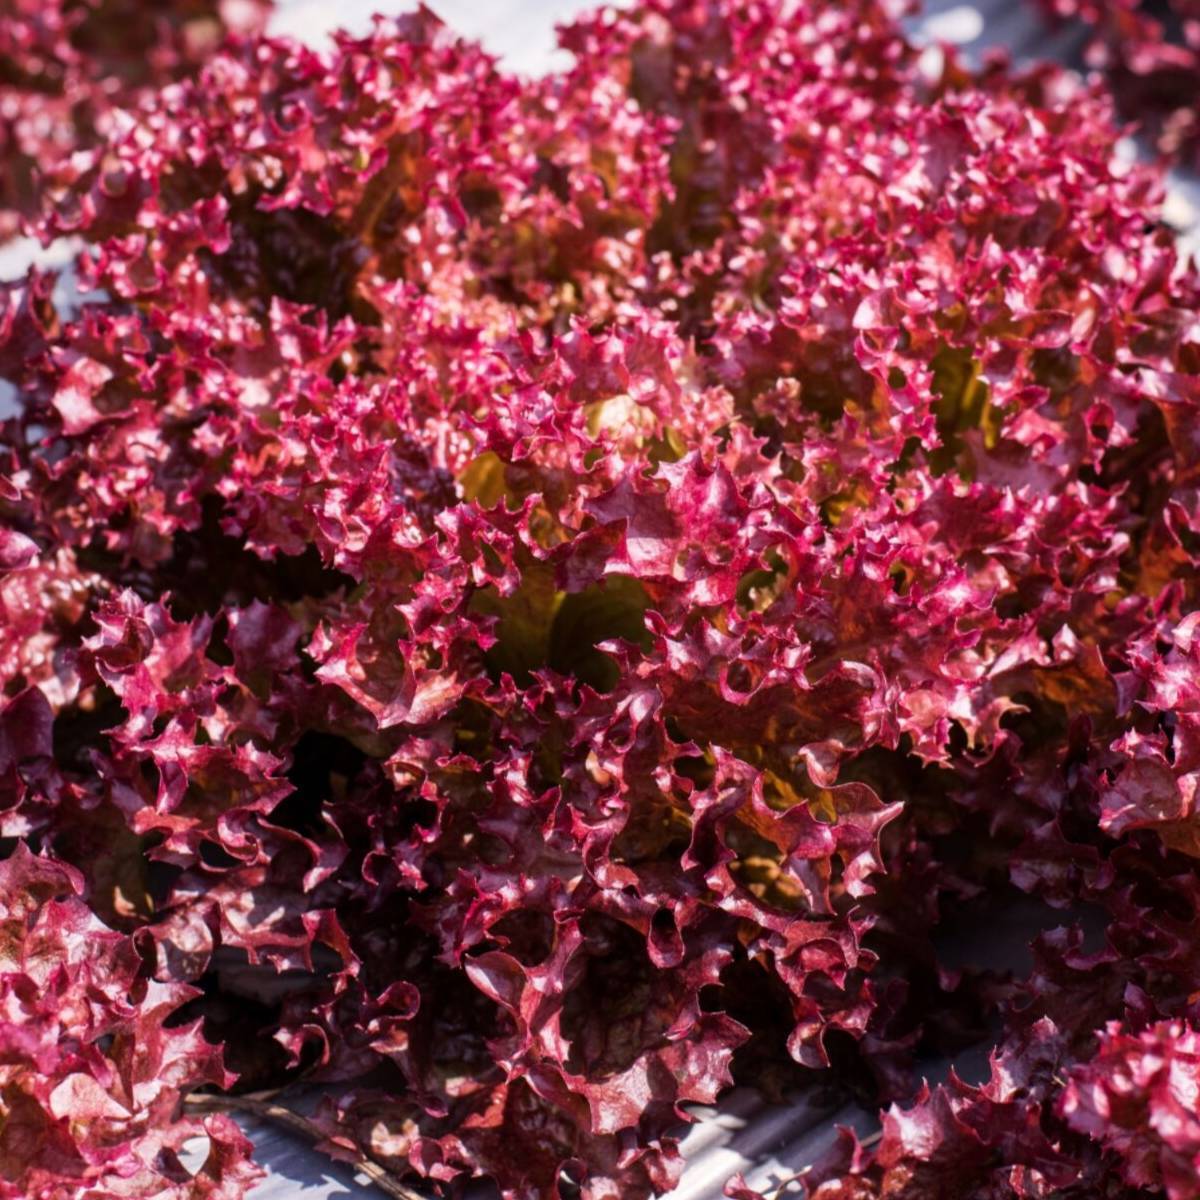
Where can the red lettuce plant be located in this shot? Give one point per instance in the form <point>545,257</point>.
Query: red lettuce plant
<point>90,1076</point>
<point>1151,51</point>
<point>528,601</point>
<point>67,67</point>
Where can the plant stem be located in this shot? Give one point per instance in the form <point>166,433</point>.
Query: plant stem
<point>865,1143</point>
<point>268,1110</point>
<point>380,189</point>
